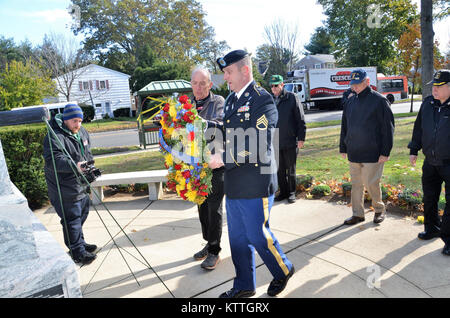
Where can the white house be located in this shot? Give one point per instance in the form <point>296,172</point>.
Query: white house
<point>105,89</point>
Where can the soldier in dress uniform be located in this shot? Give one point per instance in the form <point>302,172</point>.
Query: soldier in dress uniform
<point>250,118</point>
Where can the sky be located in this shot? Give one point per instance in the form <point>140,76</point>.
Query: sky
<point>239,22</point>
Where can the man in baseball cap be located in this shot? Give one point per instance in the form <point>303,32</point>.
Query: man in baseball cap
<point>430,134</point>
<point>441,77</point>
<point>357,76</point>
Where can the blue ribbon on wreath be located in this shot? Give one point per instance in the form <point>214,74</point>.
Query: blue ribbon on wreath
<point>179,155</point>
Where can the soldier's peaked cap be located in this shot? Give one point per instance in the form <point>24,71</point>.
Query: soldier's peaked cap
<point>230,58</point>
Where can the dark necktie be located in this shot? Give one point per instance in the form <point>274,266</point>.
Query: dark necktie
<point>234,101</point>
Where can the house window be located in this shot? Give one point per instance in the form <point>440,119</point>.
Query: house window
<point>317,66</point>
<point>85,85</point>
<point>98,105</point>
<point>102,85</point>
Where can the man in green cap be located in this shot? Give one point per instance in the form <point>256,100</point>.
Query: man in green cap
<point>291,131</point>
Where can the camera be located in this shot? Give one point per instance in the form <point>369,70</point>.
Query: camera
<point>91,172</point>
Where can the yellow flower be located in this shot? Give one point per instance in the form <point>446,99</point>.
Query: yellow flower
<point>202,174</point>
<point>180,187</point>
<point>200,200</point>
<point>172,111</point>
<point>168,159</point>
<point>191,195</point>
<point>420,219</point>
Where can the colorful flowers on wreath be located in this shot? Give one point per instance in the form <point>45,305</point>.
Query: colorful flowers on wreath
<point>185,151</point>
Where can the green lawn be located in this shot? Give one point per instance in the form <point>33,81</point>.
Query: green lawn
<point>320,157</point>
<point>149,160</point>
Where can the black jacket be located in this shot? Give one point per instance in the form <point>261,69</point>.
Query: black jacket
<point>71,187</point>
<point>367,127</point>
<point>250,168</point>
<point>291,120</point>
<point>212,111</point>
<point>431,132</point>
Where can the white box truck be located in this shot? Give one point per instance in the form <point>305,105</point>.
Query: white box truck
<point>323,88</point>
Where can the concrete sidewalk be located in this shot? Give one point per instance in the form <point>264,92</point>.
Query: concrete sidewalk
<point>331,260</point>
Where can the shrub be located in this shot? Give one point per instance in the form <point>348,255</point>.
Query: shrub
<point>304,182</point>
<point>88,113</point>
<point>410,197</point>
<point>347,188</point>
<point>23,147</point>
<point>321,190</point>
<point>122,112</point>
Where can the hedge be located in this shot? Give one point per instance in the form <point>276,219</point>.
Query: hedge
<point>23,148</point>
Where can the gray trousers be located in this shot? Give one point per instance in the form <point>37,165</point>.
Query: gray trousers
<point>366,175</point>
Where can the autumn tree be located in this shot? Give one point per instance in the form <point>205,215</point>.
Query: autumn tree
<point>24,84</point>
<point>363,31</point>
<point>174,29</point>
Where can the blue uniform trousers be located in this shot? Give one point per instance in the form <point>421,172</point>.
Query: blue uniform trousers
<point>248,229</point>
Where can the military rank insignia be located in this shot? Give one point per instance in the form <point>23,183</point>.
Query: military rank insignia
<point>262,123</point>
<point>244,153</point>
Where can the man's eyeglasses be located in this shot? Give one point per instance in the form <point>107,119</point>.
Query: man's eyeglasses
<point>275,85</point>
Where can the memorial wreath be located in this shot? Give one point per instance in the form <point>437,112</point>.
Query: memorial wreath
<point>184,148</point>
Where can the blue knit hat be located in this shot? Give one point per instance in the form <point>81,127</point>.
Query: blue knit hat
<point>72,111</point>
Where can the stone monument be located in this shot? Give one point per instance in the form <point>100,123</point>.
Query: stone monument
<point>32,263</point>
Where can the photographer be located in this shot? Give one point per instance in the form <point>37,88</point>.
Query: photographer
<point>75,200</point>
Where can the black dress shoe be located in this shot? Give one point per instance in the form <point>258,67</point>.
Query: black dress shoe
<point>446,250</point>
<point>428,235</point>
<point>85,258</point>
<point>234,293</point>
<point>90,248</point>
<point>277,286</point>
<point>378,218</point>
<point>354,220</point>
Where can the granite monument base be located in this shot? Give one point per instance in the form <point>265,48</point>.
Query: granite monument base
<point>32,263</point>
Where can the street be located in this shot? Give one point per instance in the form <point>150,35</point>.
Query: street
<point>120,138</point>
<point>130,137</point>
<point>318,116</point>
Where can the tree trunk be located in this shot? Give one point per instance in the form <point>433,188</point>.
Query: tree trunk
<point>427,34</point>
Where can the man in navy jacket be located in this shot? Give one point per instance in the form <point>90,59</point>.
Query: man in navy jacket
<point>432,134</point>
<point>367,137</point>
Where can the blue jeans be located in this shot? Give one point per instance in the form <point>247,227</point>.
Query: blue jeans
<point>75,214</point>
